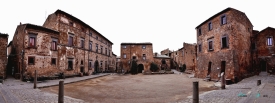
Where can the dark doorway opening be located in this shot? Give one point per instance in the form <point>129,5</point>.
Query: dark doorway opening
<point>96,64</point>
<point>134,57</point>
<point>209,68</point>
<point>223,67</point>
<point>263,65</point>
<point>82,69</point>
<point>140,68</point>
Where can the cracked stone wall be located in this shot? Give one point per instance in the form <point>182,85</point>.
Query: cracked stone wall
<point>237,56</point>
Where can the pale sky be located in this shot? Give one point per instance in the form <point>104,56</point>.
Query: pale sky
<point>165,23</point>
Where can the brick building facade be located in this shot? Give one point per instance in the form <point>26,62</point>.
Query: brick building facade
<point>63,44</point>
<point>142,52</point>
<point>3,54</point>
<point>223,45</point>
<point>264,50</point>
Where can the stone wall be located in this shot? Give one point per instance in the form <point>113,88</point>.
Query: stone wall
<point>3,54</point>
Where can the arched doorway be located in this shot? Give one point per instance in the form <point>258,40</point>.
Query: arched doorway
<point>96,64</point>
<point>140,68</point>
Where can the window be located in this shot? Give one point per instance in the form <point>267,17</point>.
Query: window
<point>124,46</point>
<point>144,57</point>
<point>31,60</point>
<point>96,49</point>
<point>269,41</point>
<point>53,61</point>
<point>101,49</point>
<point>96,38</point>
<point>90,64</point>
<point>71,23</point>
<point>90,33</point>
<point>106,51</point>
<point>106,65</point>
<point>101,63</point>
<point>54,44</point>
<point>82,43</point>
<point>210,45</point>
<point>223,20</point>
<point>210,26</point>
<point>90,45</point>
<point>81,62</point>
<point>200,48</point>
<point>32,40</point>
<point>225,42</point>
<point>199,31</point>
<point>70,40</point>
<point>109,52</point>
<point>124,55</point>
<point>253,45</point>
<point>70,64</point>
<point>143,46</point>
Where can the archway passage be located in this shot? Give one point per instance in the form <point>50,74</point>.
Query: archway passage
<point>140,68</point>
<point>263,65</point>
<point>96,66</point>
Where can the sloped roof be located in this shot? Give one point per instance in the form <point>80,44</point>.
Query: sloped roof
<point>2,34</point>
<point>78,20</point>
<point>144,43</point>
<point>33,26</point>
<point>161,56</point>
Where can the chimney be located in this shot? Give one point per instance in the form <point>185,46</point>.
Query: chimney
<point>156,54</point>
<point>20,23</point>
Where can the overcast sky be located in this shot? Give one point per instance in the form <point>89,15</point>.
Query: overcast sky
<point>165,23</point>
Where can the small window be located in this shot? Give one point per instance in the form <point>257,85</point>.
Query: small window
<point>210,45</point>
<point>143,46</point>
<point>70,64</point>
<point>90,64</point>
<point>31,60</point>
<point>96,49</point>
<point>82,43</point>
<point>53,61</point>
<point>54,44</point>
<point>81,62</point>
<point>96,37</point>
<point>144,57</point>
<point>269,41</point>
<point>101,64</point>
<point>70,40</point>
<point>106,51</point>
<point>101,49</point>
<point>225,42</point>
<point>82,29</point>
<point>90,33</point>
<point>124,55</point>
<point>223,20</point>
<point>200,48</point>
<point>32,40</point>
<point>210,26</point>
<point>90,45</point>
<point>124,46</point>
<point>199,31</point>
<point>71,23</point>
<point>253,45</point>
<point>109,52</point>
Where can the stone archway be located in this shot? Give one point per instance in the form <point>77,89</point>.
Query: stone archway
<point>96,64</point>
<point>140,68</point>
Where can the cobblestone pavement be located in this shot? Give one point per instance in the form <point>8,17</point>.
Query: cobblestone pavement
<point>16,91</point>
<point>242,92</point>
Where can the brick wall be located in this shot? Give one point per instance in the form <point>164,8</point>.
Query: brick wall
<point>3,54</point>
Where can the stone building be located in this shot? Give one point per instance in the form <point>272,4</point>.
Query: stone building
<point>142,52</point>
<point>64,44</point>
<point>263,46</point>
<point>3,54</point>
<point>112,62</point>
<point>223,45</point>
<point>186,55</point>
<point>82,48</point>
<point>159,60</point>
<point>32,49</point>
<point>166,52</point>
